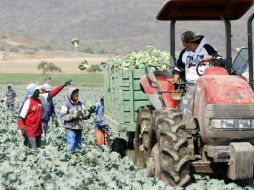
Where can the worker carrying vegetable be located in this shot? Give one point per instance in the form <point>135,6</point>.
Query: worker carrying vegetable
<point>72,113</point>
<point>101,131</point>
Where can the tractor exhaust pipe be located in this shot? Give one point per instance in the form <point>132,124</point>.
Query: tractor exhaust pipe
<point>250,49</point>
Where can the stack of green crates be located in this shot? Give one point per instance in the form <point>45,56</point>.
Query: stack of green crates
<point>123,97</point>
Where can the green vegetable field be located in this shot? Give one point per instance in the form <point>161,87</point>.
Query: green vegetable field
<point>90,167</point>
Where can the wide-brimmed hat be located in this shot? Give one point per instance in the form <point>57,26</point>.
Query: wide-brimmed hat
<point>190,36</point>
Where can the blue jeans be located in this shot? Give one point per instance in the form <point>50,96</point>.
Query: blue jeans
<point>10,107</point>
<point>73,139</point>
<point>45,127</point>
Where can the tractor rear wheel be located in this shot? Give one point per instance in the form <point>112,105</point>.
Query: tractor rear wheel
<point>173,142</point>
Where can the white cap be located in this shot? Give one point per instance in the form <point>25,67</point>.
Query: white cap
<point>46,87</point>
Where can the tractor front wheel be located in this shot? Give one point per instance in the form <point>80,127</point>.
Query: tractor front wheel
<point>171,148</point>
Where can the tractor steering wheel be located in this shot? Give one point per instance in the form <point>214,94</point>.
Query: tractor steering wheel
<point>201,63</point>
<point>212,62</point>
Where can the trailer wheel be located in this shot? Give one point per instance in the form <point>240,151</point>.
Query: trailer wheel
<point>131,137</point>
<point>142,137</point>
<point>120,146</point>
<point>173,141</point>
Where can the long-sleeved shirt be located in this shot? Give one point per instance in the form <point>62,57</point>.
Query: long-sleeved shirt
<point>99,115</point>
<point>10,95</point>
<point>30,116</point>
<point>69,113</point>
<point>48,109</point>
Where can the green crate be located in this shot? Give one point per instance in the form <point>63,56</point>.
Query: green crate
<point>123,97</point>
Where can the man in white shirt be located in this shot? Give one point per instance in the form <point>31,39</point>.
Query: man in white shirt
<point>195,49</point>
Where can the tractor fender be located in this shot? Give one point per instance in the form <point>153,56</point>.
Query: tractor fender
<point>155,98</point>
<point>215,71</point>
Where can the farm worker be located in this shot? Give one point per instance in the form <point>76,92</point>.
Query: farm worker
<point>195,50</point>
<point>30,116</point>
<point>48,108</point>
<point>99,123</point>
<point>72,112</point>
<point>10,96</point>
<point>29,119</point>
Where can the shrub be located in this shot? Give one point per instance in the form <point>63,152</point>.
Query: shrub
<point>94,68</point>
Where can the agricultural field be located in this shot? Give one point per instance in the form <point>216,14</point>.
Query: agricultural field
<point>90,167</point>
<point>86,80</point>
<point>22,67</point>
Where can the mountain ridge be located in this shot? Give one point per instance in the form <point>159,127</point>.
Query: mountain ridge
<point>110,26</point>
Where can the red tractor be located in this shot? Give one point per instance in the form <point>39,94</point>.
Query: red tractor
<point>215,136</point>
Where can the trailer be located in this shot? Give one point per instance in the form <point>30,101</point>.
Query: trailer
<point>123,97</point>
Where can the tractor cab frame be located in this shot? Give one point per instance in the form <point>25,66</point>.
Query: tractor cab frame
<point>217,10</point>
<point>218,137</point>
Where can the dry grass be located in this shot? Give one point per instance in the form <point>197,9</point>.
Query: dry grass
<point>27,63</point>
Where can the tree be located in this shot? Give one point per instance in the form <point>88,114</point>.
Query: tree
<point>75,43</point>
<point>47,69</point>
<point>53,68</point>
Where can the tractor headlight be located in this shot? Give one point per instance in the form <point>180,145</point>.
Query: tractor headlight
<point>228,123</point>
<point>242,123</point>
<point>232,123</point>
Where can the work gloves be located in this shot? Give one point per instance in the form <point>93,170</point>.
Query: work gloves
<point>66,83</point>
<point>55,122</point>
<point>77,114</point>
<point>84,114</point>
<point>80,114</point>
<point>91,109</point>
<point>98,120</point>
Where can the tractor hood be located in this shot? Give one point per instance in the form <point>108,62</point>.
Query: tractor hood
<point>224,89</point>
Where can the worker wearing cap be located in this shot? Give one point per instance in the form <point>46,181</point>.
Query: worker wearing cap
<point>30,115</point>
<point>9,98</point>
<point>48,109</point>
<point>195,49</point>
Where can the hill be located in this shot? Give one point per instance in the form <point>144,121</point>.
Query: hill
<point>110,26</point>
